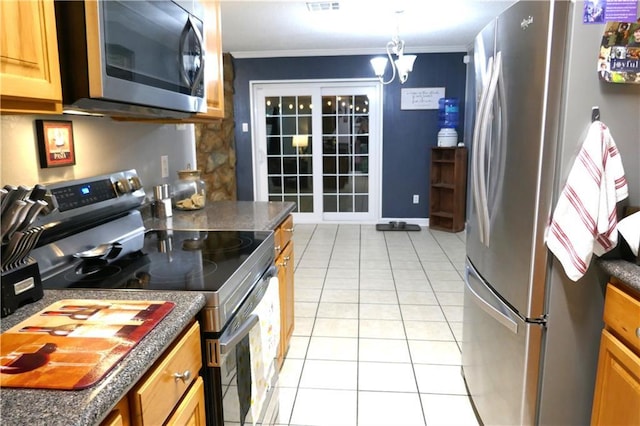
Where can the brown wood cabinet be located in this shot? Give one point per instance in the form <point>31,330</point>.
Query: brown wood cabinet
<point>171,392</point>
<point>285,264</point>
<point>448,184</point>
<point>29,65</point>
<point>213,65</point>
<point>616,398</point>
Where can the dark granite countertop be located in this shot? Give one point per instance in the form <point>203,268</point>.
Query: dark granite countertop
<point>625,271</point>
<point>227,216</point>
<point>90,406</point>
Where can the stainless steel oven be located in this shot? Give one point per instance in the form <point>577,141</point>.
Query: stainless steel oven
<point>96,239</point>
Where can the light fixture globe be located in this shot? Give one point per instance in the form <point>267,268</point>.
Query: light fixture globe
<point>404,64</point>
<point>379,65</point>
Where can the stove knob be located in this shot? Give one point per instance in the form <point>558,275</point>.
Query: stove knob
<point>123,186</point>
<point>135,183</point>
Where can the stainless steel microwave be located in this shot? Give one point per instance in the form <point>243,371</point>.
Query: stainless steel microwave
<point>132,58</point>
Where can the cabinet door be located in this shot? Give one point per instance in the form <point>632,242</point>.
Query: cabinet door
<point>617,393</point>
<point>213,65</point>
<point>285,265</point>
<point>190,411</point>
<point>155,396</point>
<point>29,66</point>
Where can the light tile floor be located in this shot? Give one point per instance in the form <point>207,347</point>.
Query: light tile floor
<point>378,329</point>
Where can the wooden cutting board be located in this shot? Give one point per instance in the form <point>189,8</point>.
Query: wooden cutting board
<point>74,343</point>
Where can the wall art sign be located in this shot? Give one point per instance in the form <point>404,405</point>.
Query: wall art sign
<point>619,57</point>
<point>421,97</point>
<point>55,143</point>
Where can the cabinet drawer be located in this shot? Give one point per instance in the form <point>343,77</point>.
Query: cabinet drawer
<point>156,395</point>
<point>191,410</point>
<point>622,316</point>
<point>283,234</point>
<point>119,416</point>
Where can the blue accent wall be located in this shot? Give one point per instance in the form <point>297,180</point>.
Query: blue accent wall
<point>408,135</point>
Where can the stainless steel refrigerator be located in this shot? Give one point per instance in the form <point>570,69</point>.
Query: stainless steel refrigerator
<point>530,335</point>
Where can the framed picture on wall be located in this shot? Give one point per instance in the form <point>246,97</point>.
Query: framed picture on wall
<point>55,143</point>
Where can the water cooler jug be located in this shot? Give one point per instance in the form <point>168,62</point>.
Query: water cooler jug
<point>447,122</point>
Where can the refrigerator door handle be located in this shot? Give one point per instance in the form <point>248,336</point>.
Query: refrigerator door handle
<point>476,154</point>
<point>484,297</point>
<point>482,147</point>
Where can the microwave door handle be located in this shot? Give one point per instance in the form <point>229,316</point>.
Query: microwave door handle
<point>200,73</point>
<point>193,85</point>
<point>183,37</point>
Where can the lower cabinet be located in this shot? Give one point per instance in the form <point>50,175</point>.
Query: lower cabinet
<point>616,398</point>
<point>171,392</point>
<point>285,264</point>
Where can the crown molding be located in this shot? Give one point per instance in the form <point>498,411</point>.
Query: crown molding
<point>342,52</point>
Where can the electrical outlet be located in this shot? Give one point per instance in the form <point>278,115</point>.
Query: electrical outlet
<point>416,199</point>
<point>164,164</point>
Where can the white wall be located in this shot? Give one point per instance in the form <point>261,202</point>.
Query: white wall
<point>102,146</point>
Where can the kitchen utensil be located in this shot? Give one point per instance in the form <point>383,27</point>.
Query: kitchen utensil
<point>38,192</point>
<point>20,217</point>
<point>9,249</point>
<point>9,217</point>
<point>32,237</point>
<point>33,212</point>
<point>22,192</point>
<point>102,251</point>
<point>52,203</point>
<point>9,198</point>
<point>3,194</point>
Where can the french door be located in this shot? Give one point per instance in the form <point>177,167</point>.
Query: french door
<point>318,144</point>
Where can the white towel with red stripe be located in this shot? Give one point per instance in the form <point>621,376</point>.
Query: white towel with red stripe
<point>584,221</point>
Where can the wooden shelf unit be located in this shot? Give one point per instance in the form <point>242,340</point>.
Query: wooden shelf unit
<point>448,189</point>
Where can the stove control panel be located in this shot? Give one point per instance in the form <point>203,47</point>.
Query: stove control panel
<point>84,194</point>
<point>80,196</point>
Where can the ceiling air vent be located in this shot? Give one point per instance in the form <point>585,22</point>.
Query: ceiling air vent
<point>318,6</point>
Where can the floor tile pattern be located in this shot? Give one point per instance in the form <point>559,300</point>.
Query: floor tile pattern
<point>378,329</point>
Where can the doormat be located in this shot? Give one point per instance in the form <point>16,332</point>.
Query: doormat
<point>397,226</point>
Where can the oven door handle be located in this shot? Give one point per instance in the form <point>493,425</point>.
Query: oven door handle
<point>227,344</point>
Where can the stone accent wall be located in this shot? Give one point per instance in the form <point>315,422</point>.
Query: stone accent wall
<point>216,147</point>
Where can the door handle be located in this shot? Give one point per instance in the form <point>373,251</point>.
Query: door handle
<point>191,26</point>
<point>476,154</point>
<point>495,307</point>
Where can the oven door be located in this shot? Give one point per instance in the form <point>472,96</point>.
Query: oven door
<point>245,389</point>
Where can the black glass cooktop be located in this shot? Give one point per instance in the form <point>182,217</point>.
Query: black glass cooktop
<point>171,260</point>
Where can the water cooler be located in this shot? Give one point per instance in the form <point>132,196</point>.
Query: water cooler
<point>447,122</point>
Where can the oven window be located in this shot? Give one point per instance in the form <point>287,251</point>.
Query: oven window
<point>142,40</point>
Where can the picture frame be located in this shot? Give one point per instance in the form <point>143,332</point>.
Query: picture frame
<point>55,143</point>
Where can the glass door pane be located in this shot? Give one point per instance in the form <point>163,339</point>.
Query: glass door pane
<point>345,153</point>
<point>289,150</point>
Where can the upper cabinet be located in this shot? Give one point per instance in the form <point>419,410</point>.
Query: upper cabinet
<point>29,67</point>
<point>213,67</point>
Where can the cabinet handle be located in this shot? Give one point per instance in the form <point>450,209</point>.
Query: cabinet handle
<point>638,332</point>
<point>277,248</point>
<point>182,376</point>
<point>288,230</point>
<point>285,262</point>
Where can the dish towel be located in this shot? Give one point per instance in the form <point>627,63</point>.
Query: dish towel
<point>264,341</point>
<point>584,220</point>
